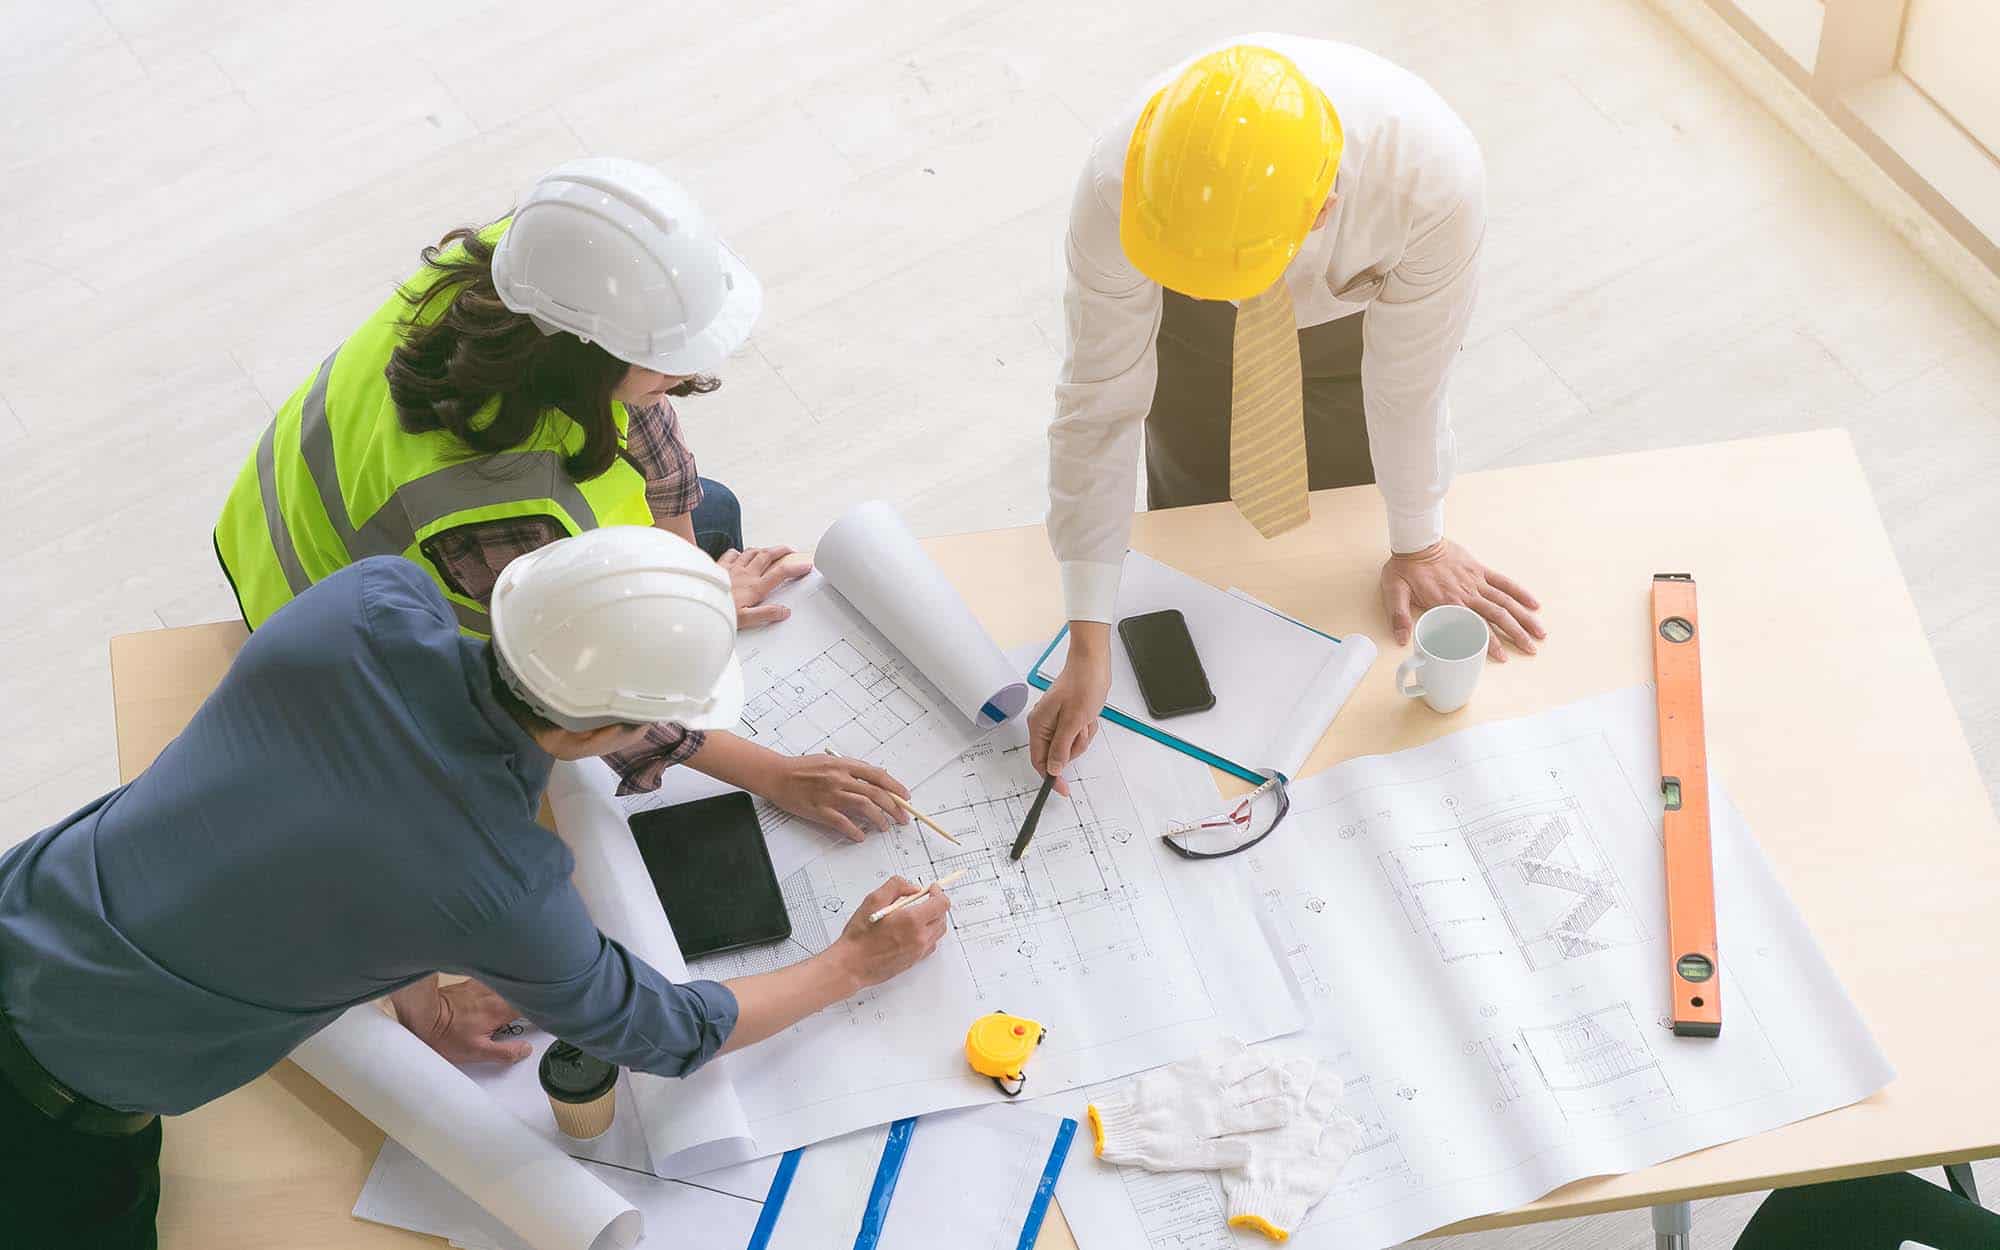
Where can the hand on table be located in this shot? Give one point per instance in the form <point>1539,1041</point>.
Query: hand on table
<point>458,1021</point>
<point>872,953</point>
<point>1064,721</point>
<point>754,574</point>
<point>843,794</point>
<point>1445,572</point>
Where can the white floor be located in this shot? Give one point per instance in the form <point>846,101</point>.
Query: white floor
<point>198,199</point>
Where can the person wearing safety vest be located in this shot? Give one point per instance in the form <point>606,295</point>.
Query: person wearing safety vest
<point>1272,259</point>
<point>352,811</point>
<point>516,391</point>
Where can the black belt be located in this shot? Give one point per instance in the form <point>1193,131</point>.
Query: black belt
<point>58,1101</point>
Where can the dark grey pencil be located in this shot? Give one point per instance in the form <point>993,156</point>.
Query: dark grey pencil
<point>1027,833</point>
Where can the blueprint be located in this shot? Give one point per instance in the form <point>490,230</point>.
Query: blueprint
<point>880,658</point>
<point>1127,954</point>
<point>828,680</point>
<point>1477,927</point>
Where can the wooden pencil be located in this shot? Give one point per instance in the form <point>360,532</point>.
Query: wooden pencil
<point>935,827</point>
<point>875,917</point>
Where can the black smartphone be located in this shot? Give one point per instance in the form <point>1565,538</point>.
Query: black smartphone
<point>713,874</point>
<point>1163,655</point>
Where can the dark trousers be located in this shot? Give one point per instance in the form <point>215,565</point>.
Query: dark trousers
<point>717,520</point>
<point>65,1190</point>
<point>1871,1213</point>
<point>1187,432</point>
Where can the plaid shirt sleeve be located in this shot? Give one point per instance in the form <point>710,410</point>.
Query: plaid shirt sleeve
<point>654,443</point>
<point>469,557</point>
<point>641,768</point>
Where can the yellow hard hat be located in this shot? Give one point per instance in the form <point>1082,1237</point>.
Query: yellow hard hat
<point>1226,170</point>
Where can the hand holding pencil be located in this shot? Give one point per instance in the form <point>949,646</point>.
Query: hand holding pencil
<point>900,799</point>
<point>911,922</point>
<point>875,917</point>
<point>849,796</point>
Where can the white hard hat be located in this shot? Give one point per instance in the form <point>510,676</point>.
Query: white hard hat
<point>618,254</point>
<point>624,624</point>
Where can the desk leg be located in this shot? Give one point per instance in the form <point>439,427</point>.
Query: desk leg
<point>1959,1177</point>
<point>1673,1226</point>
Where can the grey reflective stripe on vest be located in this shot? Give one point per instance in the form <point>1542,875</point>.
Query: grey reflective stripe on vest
<point>470,617</point>
<point>274,520</point>
<point>456,487</point>
<point>471,483</point>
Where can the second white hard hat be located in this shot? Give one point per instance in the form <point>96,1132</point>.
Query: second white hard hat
<point>625,624</point>
<point>618,254</point>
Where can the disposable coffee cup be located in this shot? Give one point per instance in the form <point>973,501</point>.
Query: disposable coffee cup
<point>583,1092</point>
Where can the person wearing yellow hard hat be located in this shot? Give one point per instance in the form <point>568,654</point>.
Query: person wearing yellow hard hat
<point>1272,256</point>
<point>515,391</point>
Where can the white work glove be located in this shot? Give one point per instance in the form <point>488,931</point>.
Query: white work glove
<point>1291,1167</point>
<point>1179,1118</point>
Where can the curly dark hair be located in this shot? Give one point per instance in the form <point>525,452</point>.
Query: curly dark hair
<point>445,371</point>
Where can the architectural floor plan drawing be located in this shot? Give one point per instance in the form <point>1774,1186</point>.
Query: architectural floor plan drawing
<point>879,659</point>
<point>848,697</point>
<point>1476,927</point>
<point>1126,953</point>
<point>828,680</point>
<point>1067,907</point>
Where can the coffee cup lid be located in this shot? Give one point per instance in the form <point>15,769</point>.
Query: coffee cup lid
<point>569,1075</point>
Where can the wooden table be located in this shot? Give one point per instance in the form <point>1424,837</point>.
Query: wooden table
<point>1826,713</point>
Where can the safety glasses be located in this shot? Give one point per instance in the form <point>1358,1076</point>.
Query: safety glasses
<point>1232,832</point>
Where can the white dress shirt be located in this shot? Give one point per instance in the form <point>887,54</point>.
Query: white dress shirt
<point>1402,242</point>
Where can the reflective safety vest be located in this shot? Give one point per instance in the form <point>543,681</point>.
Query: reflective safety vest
<point>336,478</point>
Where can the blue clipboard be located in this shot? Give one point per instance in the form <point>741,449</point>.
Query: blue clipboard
<point>1041,681</point>
<point>883,1192</point>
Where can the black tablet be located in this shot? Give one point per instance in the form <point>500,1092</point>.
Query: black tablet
<point>713,874</point>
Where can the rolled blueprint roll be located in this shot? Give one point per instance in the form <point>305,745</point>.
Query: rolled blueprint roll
<point>408,1091</point>
<point>872,559</point>
<point>1299,730</point>
<point>692,1123</point>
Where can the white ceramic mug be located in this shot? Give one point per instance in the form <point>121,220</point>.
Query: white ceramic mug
<point>1447,658</point>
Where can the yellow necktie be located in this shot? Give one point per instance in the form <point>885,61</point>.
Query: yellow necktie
<point>1267,418</point>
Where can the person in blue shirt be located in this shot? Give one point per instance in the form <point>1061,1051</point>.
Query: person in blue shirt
<point>352,811</point>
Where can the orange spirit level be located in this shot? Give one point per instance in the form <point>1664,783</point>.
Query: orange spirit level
<point>1697,1010</point>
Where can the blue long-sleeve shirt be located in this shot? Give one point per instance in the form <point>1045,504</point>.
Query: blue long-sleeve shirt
<point>350,810</point>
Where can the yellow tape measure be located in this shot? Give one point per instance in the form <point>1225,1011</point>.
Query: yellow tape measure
<point>999,1045</point>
